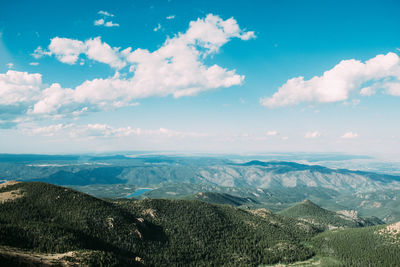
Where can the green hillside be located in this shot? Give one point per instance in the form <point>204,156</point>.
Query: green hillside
<point>222,198</point>
<point>38,218</point>
<point>369,246</point>
<point>52,219</point>
<point>325,219</point>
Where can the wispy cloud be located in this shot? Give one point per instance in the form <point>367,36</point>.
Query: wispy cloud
<point>157,28</point>
<point>272,133</point>
<point>102,21</point>
<point>105,13</point>
<point>170,17</point>
<point>349,135</point>
<point>312,135</point>
<point>105,131</point>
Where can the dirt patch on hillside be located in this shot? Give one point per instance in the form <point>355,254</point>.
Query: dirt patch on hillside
<point>392,229</point>
<point>10,195</point>
<point>263,213</point>
<point>150,212</point>
<point>8,183</point>
<point>38,259</point>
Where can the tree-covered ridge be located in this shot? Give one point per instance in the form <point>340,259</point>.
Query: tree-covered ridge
<point>326,219</point>
<point>368,246</point>
<point>222,198</point>
<point>50,219</point>
<point>200,233</point>
<point>84,230</point>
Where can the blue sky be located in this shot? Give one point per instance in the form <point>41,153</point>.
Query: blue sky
<point>212,76</point>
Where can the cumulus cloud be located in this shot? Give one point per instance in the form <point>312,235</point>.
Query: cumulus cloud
<point>68,51</point>
<point>349,135</point>
<point>312,135</point>
<point>18,91</point>
<point>176,68</point>
<point>19,87</point>
<point>336,84</point>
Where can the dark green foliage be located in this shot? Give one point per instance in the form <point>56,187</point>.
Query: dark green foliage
<point>49,219</point>
<point>359,247</point>
<point>159,232</point>
<point>325,219</point>
<point>202,234</point>
<point>222,198</point>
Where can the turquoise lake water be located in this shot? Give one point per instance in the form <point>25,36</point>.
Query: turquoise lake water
<point>139,192</point>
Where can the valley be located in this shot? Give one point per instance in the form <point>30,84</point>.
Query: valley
<point>169,211</point>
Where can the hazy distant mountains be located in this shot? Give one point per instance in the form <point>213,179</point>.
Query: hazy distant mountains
<point>205,171</point>
<point>271,184</point>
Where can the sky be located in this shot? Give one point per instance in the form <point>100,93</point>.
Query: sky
<point>200,76</point>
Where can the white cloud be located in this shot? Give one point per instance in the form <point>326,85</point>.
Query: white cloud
<point>336,84</point>
<point>99,22</point>
<point>40,52</point>
<point>10,65</point>
<point>102,22</point>
<point>104,131</point>
<point>105,13</point>
<point>18,91</point>
<point>176,68</point>
<point>68,51</point>
<point>272,133</point>
<point>111,24</point>
<point>170,17</point>
<point>312,135</point>
<point>19,87</point>
<point>349,135</point>
<point>34,63</point>
<point>157,28</point>
<point>47,130</point>
<point>102,52</point>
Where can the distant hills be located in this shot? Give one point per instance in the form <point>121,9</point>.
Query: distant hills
<point>274,185</point>
<point>144,171</point>
<point>325,219</point>
<point>43,223</point>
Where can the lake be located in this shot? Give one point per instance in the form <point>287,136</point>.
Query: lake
<point>139,192</point>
